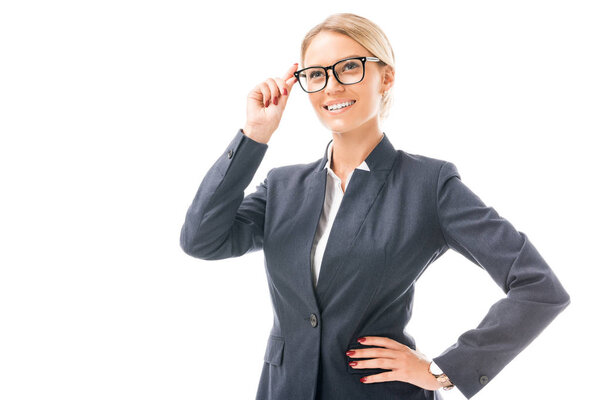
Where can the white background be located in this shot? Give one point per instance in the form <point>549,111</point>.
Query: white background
<point>111,112</point>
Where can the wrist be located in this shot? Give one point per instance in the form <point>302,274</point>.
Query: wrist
<point>435,384</point>
<point>443,381</point>
<point>247,131</point>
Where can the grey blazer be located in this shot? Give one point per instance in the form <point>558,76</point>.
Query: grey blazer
<point>393,222</point>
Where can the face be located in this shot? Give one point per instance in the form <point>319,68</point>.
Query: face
<point>325,49</point>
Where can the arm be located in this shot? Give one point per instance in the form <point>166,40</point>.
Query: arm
<point>534,294</point>
<point>220,223</point>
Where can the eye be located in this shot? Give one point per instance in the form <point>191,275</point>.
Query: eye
<point>314,74</point>
<point>350,65</point>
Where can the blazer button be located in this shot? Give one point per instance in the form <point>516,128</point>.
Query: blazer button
<point>483,379</point>
<point>230,154</point>
<point>313,320</point>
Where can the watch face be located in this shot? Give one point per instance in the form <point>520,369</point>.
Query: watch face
<point>435,369</point>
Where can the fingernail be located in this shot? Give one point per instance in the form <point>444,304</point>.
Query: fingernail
<point>352,363</point>
<point>267,103</point>
<point>363,379</point>
<point>275,101</point>
<point>361,339</point>
<point>350,352</point>
<point>285,91</point>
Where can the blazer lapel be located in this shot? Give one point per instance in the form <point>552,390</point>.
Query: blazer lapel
<point>362,190</point>
<point>311,213</point>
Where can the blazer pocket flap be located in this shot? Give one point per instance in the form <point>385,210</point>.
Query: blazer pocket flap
<point>274,352</point>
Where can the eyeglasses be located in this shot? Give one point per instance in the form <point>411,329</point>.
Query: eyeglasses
<point>347,72</point>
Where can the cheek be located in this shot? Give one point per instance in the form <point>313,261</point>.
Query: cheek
<point>368,102</point>
<point>315,101</point>
<point>369,98</point>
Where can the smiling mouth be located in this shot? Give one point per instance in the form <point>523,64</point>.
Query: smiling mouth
<point>340,106</point>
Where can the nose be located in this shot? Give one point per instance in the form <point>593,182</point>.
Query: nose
<point>332,82</point>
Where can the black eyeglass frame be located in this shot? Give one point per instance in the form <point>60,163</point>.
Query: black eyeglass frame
<point>363,59</point>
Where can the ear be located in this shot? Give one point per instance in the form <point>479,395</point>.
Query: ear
<point>387,78</point>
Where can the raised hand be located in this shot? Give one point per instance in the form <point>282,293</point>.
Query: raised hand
<point>265,105</point>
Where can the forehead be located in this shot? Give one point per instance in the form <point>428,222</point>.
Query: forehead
<point>329,47</point>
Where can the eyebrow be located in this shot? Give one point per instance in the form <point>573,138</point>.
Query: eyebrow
<point>351,55</point>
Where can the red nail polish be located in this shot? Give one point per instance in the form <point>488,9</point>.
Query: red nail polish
<point>350,352</point>
<point>285,91</point>
<point>363,379</point>
<point>275,101</point>
<point>352,363</point>
<point>267,103</point>
<point>361,339</point>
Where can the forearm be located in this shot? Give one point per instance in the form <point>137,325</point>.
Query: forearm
<point>534,294</point>
<point>220,223</point>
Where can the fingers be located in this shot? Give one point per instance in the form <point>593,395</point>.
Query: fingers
<point>266,93</point>
<point>291,81</point>
<point>289,77</point>
<point>285,84</point>
<point>284,87</point>
<point>381,377</point>
<point>273,91</point>
<point>383,363</point>
<point>290,72</point>
<point>372,352</point>
<point>273,88</point>
<point>382,341</point>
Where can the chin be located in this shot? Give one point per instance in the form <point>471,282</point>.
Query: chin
<point>343,121</point>
<point>340,127</point>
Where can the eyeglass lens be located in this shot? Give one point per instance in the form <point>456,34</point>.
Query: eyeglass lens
<point>348,72</point>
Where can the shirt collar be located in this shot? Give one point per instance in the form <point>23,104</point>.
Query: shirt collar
<point>381,158</point>
<point>363,165</point>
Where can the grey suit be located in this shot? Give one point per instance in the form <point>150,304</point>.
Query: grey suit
<point>393,222</point>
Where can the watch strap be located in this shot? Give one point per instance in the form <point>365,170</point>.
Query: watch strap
<point>440,376</point>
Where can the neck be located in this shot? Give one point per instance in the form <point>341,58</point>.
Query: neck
<point>351,148</point>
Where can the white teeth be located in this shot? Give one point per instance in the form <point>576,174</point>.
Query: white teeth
<point>340,105</point>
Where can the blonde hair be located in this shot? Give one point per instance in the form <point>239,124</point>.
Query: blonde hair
<point>367,34</point>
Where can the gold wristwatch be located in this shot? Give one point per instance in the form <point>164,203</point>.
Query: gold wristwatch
<point>440,376</point>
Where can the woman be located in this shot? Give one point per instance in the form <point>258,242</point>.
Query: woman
<point>341,273</point>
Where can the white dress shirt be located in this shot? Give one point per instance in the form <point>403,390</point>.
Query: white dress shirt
<point>331,205</point>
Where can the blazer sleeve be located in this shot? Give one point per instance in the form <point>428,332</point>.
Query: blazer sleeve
<point>534,295</point>
<point>222,223</point>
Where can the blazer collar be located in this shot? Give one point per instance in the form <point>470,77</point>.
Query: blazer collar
<point>380,158</point>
